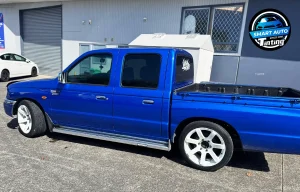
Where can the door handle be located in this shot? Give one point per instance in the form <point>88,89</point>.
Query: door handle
<point>54,92</point>
<point>148,102</point>
<point>101,98</point>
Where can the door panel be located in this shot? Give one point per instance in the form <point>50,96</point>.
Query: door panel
<point>9,63</point>
<point>14,69</point>
<point>80,106</point>
<point>133,116</point>
<point>23,67</point>
<point>85,100</point>
<point>138,95</point>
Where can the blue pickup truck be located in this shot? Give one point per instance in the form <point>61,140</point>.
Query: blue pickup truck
<point>147,97</point>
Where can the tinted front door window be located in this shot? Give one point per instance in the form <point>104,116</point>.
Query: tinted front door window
<point>19,58</point>
<point>91,70</point>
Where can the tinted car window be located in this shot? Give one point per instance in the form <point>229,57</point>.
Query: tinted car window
<point>184,68</point>
<point>93,69</point>
<point>271,19</point>
<point>141,70</point>
<point>19,58</point>
<point>7,57</point>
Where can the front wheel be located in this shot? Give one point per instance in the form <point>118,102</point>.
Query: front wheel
<point>34,72</point>
<point>31,119</point>
<point>205,145</point>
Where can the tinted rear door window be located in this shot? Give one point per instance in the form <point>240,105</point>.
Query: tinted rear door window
<point>141,70</point>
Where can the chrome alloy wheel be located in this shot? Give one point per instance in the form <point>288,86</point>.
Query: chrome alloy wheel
<point>204,147</point>
<point>24,119</point>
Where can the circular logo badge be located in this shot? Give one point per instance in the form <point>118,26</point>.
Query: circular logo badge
<point>270,29</point>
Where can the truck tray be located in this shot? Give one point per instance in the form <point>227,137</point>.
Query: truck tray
<point>240,89</point>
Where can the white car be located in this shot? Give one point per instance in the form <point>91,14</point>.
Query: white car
<point>14,65</point>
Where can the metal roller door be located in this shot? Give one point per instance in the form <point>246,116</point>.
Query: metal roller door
<point>41,31</point>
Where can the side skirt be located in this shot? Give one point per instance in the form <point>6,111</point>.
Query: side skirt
<point>137,141</point>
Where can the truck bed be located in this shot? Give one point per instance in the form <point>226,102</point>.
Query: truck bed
<point>240,89</point>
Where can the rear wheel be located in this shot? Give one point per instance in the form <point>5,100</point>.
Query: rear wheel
<point>31,119</point>
<point>5,75</point>
<point>205,145</point>
<point>34,72</point>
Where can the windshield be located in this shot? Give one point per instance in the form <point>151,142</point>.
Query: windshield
<point>268,19</point>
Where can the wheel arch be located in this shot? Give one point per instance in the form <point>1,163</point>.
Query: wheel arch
<point>1,75</point>
<point>32,68</point>
<point>5,69</point>
<point>229,128</point>
<point>37,68</point>
<point>48,119</point>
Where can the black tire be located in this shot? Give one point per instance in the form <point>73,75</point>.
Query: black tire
<point>211,126</point>
<point>5,75</point>
<point>38,121</point>
<point>34,72</point>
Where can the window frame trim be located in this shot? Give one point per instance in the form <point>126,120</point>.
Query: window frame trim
<point>210,23</point>
<point>131,87</point>
<point>75,64</point>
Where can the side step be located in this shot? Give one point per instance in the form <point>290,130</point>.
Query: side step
<point>154,144</point>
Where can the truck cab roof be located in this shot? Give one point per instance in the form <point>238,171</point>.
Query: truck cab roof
<point>146,49</point>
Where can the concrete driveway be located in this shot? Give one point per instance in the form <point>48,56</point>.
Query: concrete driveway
<point>67,163</point>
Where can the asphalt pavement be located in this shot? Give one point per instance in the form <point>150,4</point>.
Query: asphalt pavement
<point>66,163</point>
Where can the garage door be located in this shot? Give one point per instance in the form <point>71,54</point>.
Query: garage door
<point>41,30</point>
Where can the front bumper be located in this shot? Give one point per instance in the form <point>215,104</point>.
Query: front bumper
<point>9,106</point>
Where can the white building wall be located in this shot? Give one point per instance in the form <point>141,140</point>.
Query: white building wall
<point>12,23</point>
<point>11,29</point>
<point>117,21</point>
<point>121,20</point>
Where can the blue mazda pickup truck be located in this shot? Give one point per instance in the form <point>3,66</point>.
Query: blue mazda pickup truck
<point>147,97</point>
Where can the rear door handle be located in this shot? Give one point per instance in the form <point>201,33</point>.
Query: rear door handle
<point>101,98</point>
<point>148,102</point>
<point>54,92</point>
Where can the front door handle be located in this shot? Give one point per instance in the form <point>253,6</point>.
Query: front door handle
<point>148,102</point>
<point>101,98</point>
<point>54,92</point>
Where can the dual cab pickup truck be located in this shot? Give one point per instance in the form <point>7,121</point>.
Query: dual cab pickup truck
<point>147,97</point>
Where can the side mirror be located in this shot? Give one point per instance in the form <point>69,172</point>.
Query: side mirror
<point>61,78</point>
<point>27,61</point>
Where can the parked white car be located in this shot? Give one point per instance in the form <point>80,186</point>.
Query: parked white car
<point>14,65</point>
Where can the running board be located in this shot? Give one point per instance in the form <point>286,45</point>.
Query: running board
<point>154,144</point>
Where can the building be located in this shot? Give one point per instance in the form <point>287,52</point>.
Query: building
<point>54,33</point>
